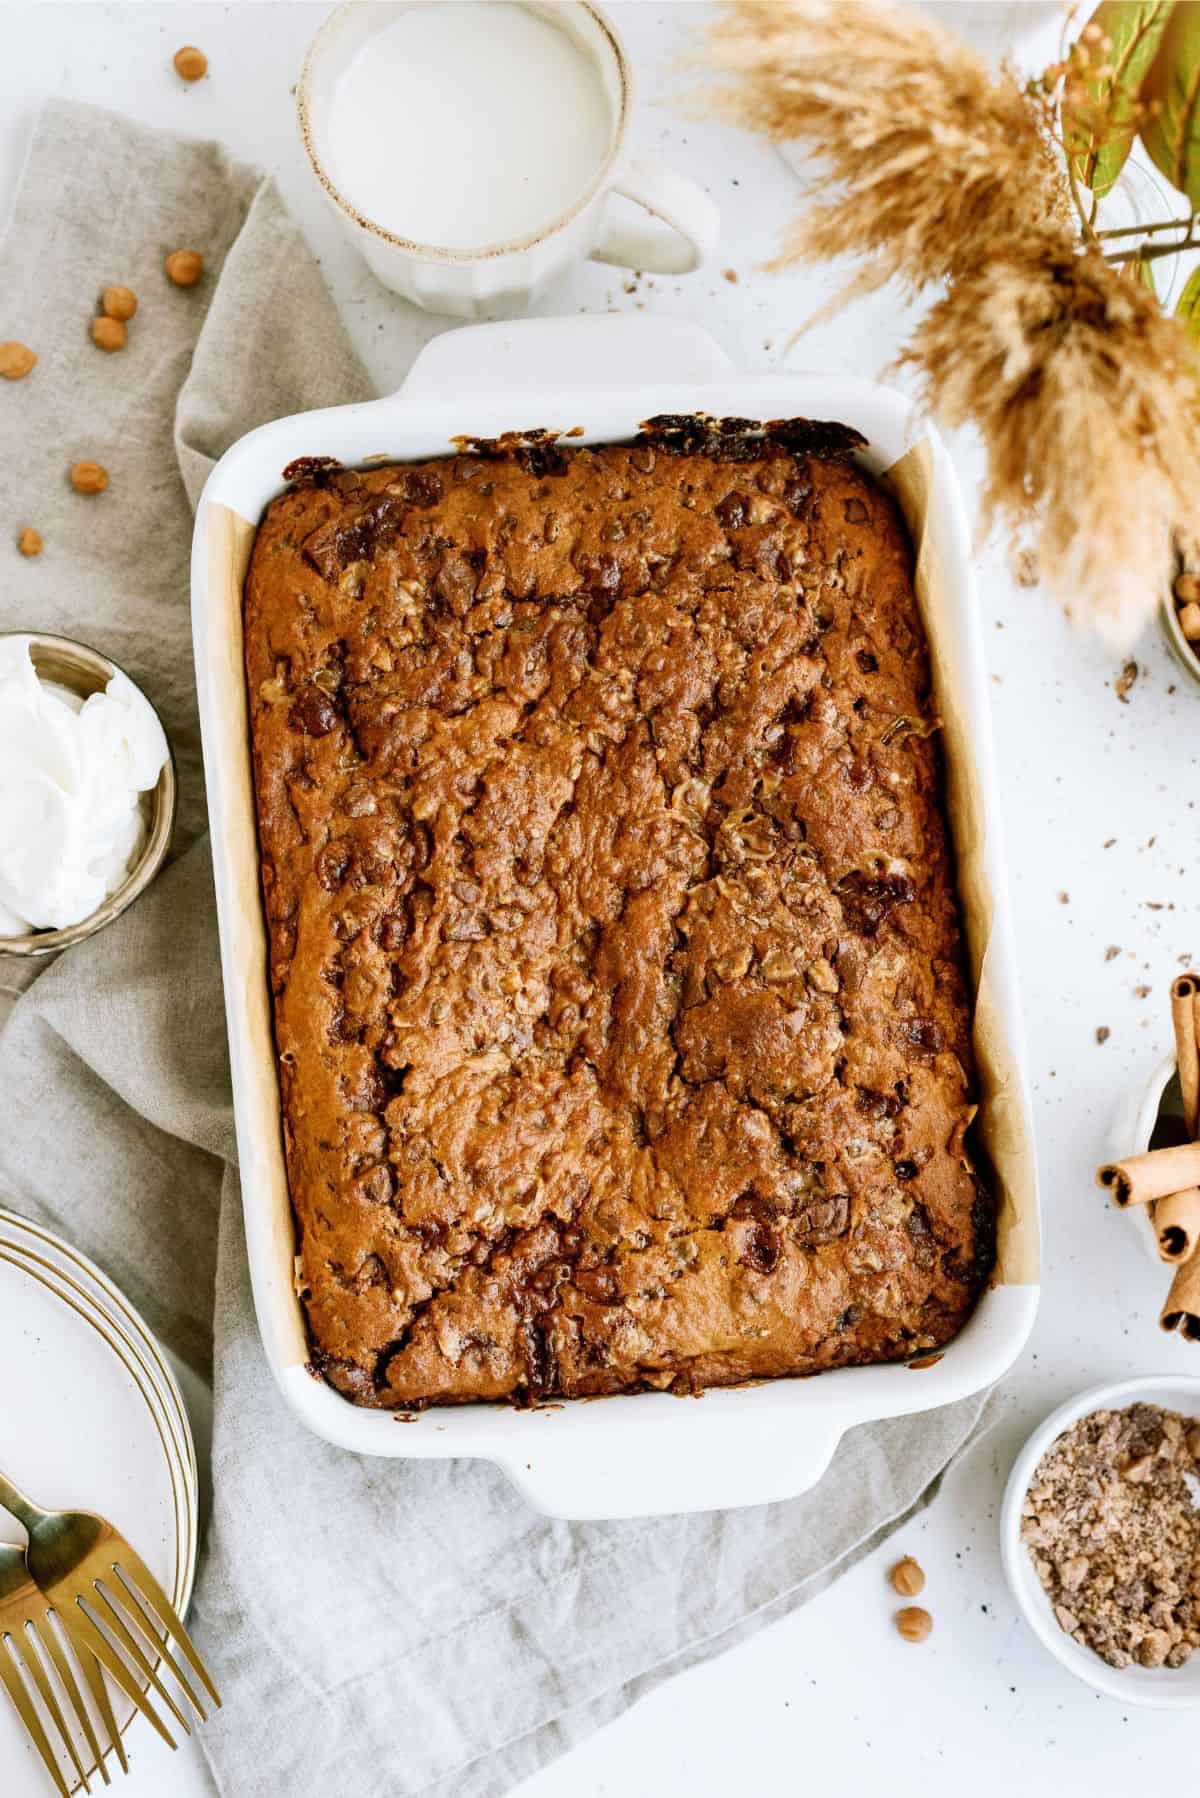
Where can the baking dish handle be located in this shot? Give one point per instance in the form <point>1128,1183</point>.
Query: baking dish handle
<point>685,234</point>
<point>763,1458</point>
<point>545,355</point>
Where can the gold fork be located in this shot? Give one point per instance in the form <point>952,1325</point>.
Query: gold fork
<point>106,1597</point>
<point>27,1637</point>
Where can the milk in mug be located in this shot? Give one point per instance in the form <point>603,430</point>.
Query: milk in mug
<point>466,124</point>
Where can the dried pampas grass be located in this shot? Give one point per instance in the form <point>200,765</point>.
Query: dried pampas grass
<point>1085,394</point>
<point>1087,401</point>
<point>933,154</point>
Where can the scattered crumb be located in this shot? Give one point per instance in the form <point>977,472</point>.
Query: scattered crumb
<point>731,275</point>
<point>1142,992</point>
<point>1124,681</point>
<point>1103,1033</point>
<point>29,541</point>
<point>1112,952</point>
<point>1025,568</point>
<point>1064,898</point>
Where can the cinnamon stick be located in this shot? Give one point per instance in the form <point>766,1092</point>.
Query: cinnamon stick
<point>1182,1309</point>
<point>1140,1178</point>
<point>1185,1002</point>
<point>1177,1224</point>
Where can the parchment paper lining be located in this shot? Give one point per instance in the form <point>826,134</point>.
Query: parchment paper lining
<point>1002,1127</point>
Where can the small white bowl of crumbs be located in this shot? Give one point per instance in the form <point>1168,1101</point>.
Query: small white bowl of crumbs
<point>1100,1537</point>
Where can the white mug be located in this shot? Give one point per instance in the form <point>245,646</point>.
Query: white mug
<point>509,275</point>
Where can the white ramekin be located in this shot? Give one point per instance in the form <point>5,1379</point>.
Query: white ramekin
<point>1159,1688</point>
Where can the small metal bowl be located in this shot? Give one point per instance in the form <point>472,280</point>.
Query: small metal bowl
<point>85,671</point>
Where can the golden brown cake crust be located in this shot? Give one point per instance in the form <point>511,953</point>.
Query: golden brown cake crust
<point>619,1005</point>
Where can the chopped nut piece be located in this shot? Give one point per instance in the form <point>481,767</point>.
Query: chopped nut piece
<point>89,477</point>
<point>1125,680</point>
<point>821,976</point>
<point>29,541</point>
<point>119,302</point>
<point>732,967</point>
<point>914,1623</point>
<point>191,64</point>
<point>16,360</point>
<point>184,267</point>
<point>908,1577</point>
<point>777,964</point>
<point>109,333</point>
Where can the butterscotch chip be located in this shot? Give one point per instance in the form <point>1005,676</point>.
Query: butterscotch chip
<point>914,1623</point>
<point>16,360</point>
<point>119,302</point>
<point>191,64</point>
<point>1189,621</point>
<point>908,1577</point>
<point>109,334</point>
<point>185,267</point>
<point>1187,587</point>
<point>89,477</point>
<point>29,541</point>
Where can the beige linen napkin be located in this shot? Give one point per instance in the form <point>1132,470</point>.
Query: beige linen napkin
<point>378,1628</point>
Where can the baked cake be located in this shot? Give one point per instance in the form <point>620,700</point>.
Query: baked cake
<point>618,989</point>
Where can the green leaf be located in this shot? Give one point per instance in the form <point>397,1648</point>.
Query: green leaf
<point>1172,132</point>
<point>1100,132</point>
<point>1187,307</point>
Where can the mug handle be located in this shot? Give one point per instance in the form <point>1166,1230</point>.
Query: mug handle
<point>678,203</point>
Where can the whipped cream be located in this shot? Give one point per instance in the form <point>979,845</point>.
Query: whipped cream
<point>71,772</point>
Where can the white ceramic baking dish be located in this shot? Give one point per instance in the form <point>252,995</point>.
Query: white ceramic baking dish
<point>645,1453</point>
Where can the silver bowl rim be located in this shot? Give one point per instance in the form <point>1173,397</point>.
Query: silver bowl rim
<point>164,796</point>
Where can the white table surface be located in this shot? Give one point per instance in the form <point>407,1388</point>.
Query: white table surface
<point>1101,821</point>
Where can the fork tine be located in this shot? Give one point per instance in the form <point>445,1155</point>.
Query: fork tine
<point>134,1607</point>
<point>27,1712</point>
<point>81,1628</point>
<point>116,1623</point>
<point>99,1691</point>
<point>77,1701</point>
<point>35,1661</point>
<point>148,1589</point>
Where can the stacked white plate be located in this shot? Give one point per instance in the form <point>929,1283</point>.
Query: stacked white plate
<point>91,1418</point>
